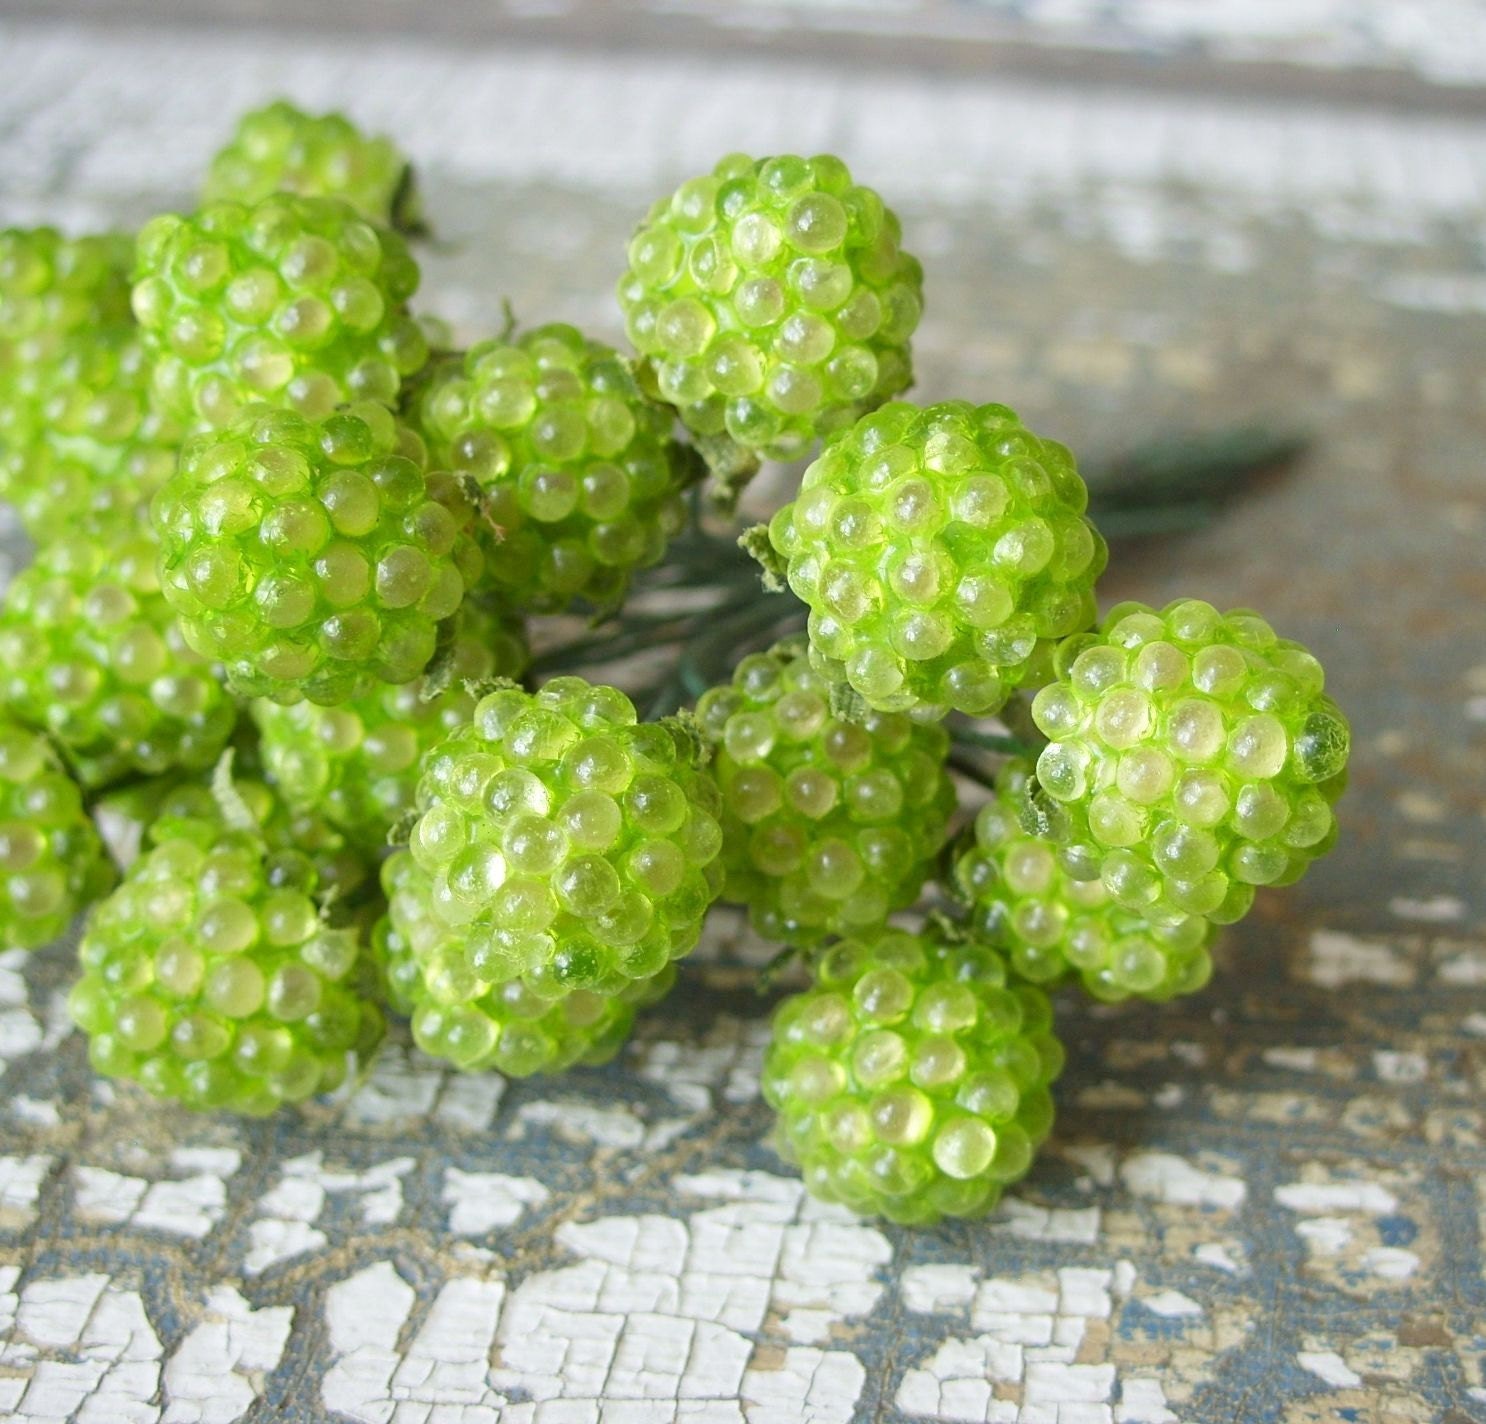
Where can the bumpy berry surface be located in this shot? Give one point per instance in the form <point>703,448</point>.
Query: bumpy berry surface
<point>1195,755</point>
<point>911,1081</point>
<point>578,469</point>
<point>91,652</point>
<point>293,302</point>
<point>282,149</point>
<point>828,825</point>
<point>52,862</point>
<point>52,288</point>
<point>473,1023</point>
<point>357,764</point>
<point>939,550</point>
<point>773,300</point>
<point>149,813</point>
<point>209,977</point>
<point>313,560</point>
<point>1051,925</point>
<point>568,846</point>
<point>79,437</point>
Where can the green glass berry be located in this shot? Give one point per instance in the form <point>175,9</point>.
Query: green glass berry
<point>200,809</point>
<point>578,470</point>
<point>210,977</point>
<point>357,764</point>
<point>52,862</point>
<point>51,289</point>
<point>475,1024</point>
<point>91,653</point>
<point>566,845</point>
<point>1194,756</point>
<point>1050,925</point>
<point>940,551</point>
<point>773,301</point>
<point>282,149</point>
<point>828,825</point>
<point>911,1080</point>
<point>298,303</point>
<point>313,560</point>
<point>79,438</point>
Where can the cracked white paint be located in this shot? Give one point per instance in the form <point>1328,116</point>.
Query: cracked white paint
<point>284,1227</point>
<point>20,1187</point>
<point>1337,959</point>
<point>406,1090</point>
<point>579,1121</point>
<point>727,1062</point>
<point>89,1354</point>
<point>1329,1366</point>
<point>189,1205</point>
<point>479,1202</point>
<point>1171,1304</point>
<point>1400,1067</point>
<point>222,1365</point>
<point>1322,1198</point>
<point>1018,1217</point>
<point>20,1030</point>
<point>1433,910</point>
<point>1166,1177</point>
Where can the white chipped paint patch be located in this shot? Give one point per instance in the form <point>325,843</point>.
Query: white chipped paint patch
<point>1015,1216</point>
<point>480,1202</point>
<point>578,1121</point>
<point>1435,910</point>
<point>287,1212</point>
<point>189,1204</point>
<point>20,1029</point>
<point>1027,1345</point>
<point>1327,1365</point>
<point>222,1365</point>
<point>727,1062</point>
<point>406,1090</point>
<point>1400,1067</point>
<point>86,1353</point>
<point>1171,1304</point>
<point>1326,1198</point>
<point>21,1178</point>
<point>1295,1060</point>
<point>1165,1177</point>
<point>1336,959</point>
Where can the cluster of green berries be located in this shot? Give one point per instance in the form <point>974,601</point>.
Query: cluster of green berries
<point>91,654</point>
<point>579,480</point>
<point>566,844</point>
<point>278,149</point>
<point>464,1017</point>
<point>253,490</point>
<point>911,1079</point>
<point>828,824</point>
<point>52,861</point>
<point>210,976</point>
<point>773,301</point>
<point>313,559</point>
<point>939,551</point>
<point>1194,756</point>
<point>1051,926</point>
<point>357,763</point>
<point>296,301</point>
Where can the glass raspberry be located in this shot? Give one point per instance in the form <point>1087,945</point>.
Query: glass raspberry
<point>52,862</point>
<point>294,302</point>
<point>357,764</point>
<point>566,845</point>
<point>51,289</point>
<point>773,301</point>
<point>911,1080</point>
<point>91,653</point>
<point>828,825</point>
<point>313,560</point>
<point>475,1024</point>
<point>1195,756</point>
<point>940,551</point>
<point>1051,925</point>
<point>282,149</point>
<point>78,435</point>
<point>578,469</point>
<point>210,977</point>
